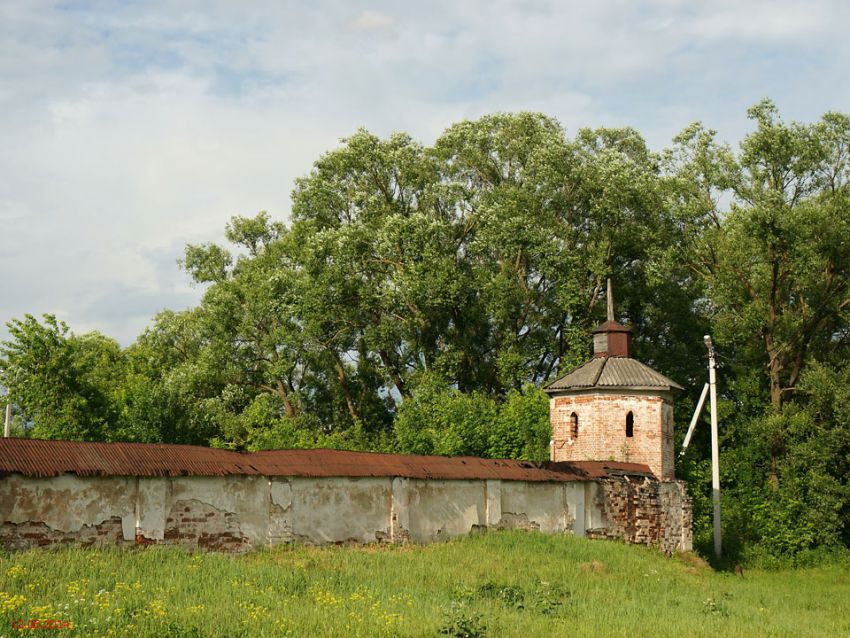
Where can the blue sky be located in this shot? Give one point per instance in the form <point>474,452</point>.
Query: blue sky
<point>132,128</point>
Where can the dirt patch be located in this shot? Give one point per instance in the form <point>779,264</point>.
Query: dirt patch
<point>696,564</point>
<point>594,567</point>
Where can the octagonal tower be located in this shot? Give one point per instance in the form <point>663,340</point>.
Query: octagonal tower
<point>613,407</point>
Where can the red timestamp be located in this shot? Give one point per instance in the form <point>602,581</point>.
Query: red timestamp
<point>41,623</point>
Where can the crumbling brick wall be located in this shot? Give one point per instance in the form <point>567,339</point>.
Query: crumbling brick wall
<point>197,525</point>
<point>16,536</point>
<point>236,513</point>
<point>644,511</point>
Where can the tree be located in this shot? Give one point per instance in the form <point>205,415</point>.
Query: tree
<point>478,262</point>
<point>810,507</point>
<point>445,421</point>
<point>168,384</point>
<point>63,384</point>
<point>765,231</point>
<point>481,259</point>
<point>777,263</point>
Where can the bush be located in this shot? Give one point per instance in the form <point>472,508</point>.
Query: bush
<point>460,622</point>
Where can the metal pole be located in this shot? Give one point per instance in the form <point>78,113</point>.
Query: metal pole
<point>715,448</point>
<point>7,429</point>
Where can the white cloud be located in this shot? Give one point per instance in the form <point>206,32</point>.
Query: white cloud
<point>765,20</point>
<point>130,130</point>
<point>371,20</point>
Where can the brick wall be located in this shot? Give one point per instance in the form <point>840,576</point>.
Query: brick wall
<point>645,511</point>
<point>235,513</point>
<point>196,525</point>
<point>15,536</point>
<point>602,430</point>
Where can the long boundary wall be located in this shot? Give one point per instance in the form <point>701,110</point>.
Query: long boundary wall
<point>238,512</point>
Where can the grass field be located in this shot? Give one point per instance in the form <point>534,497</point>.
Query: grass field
<point>496,584</point>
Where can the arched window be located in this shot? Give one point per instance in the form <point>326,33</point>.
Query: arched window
<point>574,425</point>
<point>630,425</point>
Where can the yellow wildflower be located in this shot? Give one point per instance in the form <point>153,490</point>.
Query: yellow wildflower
<point>155,608</point>
<point>16,570</point>
<point>10,602</point>
<point>76,587</point>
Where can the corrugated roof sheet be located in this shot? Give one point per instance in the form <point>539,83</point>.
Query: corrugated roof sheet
<point>613,372</point>
<point>43,458</point>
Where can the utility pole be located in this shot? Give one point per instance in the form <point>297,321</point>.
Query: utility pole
<point>715,447</point>
<point>7,429</point>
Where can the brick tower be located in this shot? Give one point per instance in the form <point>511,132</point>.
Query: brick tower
<point>613,407</point>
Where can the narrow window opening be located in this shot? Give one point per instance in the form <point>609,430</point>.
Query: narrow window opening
<point>630,425</point>
<point>574,425</point>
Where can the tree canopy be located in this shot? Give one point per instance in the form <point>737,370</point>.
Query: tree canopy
<point>419,297</point>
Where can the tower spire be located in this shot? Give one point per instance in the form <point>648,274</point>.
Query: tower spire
<point>612,339</point>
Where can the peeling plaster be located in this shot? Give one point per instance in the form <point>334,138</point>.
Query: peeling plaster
<point>153,497</point>
<point>94,500</point>
<point>234,513</point>
<point>281,493</point>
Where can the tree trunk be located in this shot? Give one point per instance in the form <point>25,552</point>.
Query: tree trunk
<point>775,368</point>
<point>394,373</point>
<point>284,396</point>
<point>343,383</point>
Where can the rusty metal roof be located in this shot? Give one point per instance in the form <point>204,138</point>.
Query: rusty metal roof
<point>613,373</point>
<point>43,458</point>
<point>611,326</point>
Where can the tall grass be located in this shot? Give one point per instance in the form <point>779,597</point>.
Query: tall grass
<point>495,584</point>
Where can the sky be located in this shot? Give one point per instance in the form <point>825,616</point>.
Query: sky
<point>129,129</point>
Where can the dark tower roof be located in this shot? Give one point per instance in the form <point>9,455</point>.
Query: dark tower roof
<point>612,366</point>
<point>611,326</point>
<point>613,373</point>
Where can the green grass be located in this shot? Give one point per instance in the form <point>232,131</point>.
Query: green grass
<point>511,583</point>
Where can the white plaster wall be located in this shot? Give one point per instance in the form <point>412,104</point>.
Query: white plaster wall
<point>152,506</point>
<point>594,517</point>
<point>400,510</point>
<point>280,511</point>
<point>333,510</point>
<point>544,505</point>
<point>576,507</point>
<point>441,509</point>
<point>66,502</point>
<point>265,510</point>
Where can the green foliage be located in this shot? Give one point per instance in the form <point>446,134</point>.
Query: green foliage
<point>420,294</point>
<point>521,429</point>
<point>809,507</point>
<point>449,422</point>
<point>775,263</point>
<point>460,623</point>
<point>445,421</point>
<point>64,386</point>
<point>509,594</point>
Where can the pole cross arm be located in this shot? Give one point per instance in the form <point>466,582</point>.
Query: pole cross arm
<point>693,424</point>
